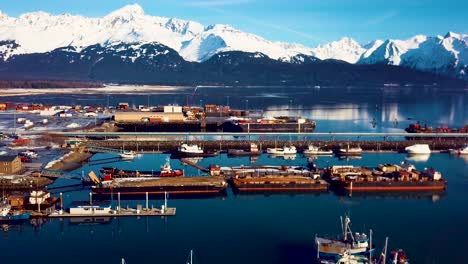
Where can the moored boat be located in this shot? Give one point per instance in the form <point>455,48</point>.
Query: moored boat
<point>386,177</point>
<point>193,150</point>
<point>253,151</point>
<point>350,151</point>
<point>128,155</point>
<point>10,215</point>
<point>172,185</point>
<point>313,150</point>
<point>287,150</point>
<point>398,257</point>
<point>418,149</point>
<point>166,171</point>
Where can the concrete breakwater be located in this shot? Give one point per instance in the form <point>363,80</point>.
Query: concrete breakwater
<point>223,145</point>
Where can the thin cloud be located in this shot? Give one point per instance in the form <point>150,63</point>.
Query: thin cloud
<point>379,20</point>
<point>215,3</point>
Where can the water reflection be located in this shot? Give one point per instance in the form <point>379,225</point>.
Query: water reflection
<point>418,157</point>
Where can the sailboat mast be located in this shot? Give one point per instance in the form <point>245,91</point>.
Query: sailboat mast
<point>385,251</point>
<point>191,256</point>
<point>370,245</point>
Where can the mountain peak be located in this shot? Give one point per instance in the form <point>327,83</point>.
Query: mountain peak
<point>128,11</point>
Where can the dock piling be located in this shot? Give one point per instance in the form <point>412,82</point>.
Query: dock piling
<point>118,202</point>
<point>146,201</point>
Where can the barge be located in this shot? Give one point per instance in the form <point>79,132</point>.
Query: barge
<point>166,171</point>
<point>206,185</point>
<point>275,179</point>
<point>387,177</point>
<point>278,183</point>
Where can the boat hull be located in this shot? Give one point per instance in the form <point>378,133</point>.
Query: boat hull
<point>16,217</point>
<point>394,186</point>
<point>160,190</point>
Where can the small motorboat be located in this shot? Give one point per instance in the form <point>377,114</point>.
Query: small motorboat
<point>418,149</point>
<point>282,151</point>
<point>313,150</point>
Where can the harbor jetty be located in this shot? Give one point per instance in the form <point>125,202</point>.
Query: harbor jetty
<point>157,146</point>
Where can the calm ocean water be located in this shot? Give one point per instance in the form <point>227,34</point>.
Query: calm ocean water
<point>335,109</point>
<point>256,228</point>
<point>432,228</point>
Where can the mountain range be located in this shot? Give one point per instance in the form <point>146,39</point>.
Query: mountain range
<point>71,46</point>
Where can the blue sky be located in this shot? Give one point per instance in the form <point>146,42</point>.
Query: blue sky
<point>309,22</point>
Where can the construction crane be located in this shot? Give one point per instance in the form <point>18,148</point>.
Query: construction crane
<point>189,102</point>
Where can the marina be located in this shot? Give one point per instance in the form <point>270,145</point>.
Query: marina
<point>237,177</point>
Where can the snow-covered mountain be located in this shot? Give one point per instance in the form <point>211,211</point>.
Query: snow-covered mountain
<point>40,32</point>
<point>445,55</point>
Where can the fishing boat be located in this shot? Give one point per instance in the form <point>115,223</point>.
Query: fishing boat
<point>350,151</point>
<point>128,155</point>
<point>253,151</point>
<point>354,244</point>
<point>10,215</point>
<point>193,150</point>
<point>418,149</point>
<point>282,151</point>
<point>313,150</point>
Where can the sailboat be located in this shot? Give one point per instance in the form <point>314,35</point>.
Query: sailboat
<point>127,154</point>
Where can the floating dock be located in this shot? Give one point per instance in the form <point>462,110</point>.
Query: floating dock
<point>120,213</point>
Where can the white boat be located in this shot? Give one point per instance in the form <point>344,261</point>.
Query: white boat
<point>347,258</point>
<point>460,151</point>
<point>418,149</point>
<point>4,208</point>
<point>73,125</point>
<point>20,120</point>
<point>313,150</point>
<point>30,154</point>
<point>282,151</point>
<point>352,243</point>
<point>190,149</point>
<point>28,124</point>
<point>350,151</point>
<point>128,155</point>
